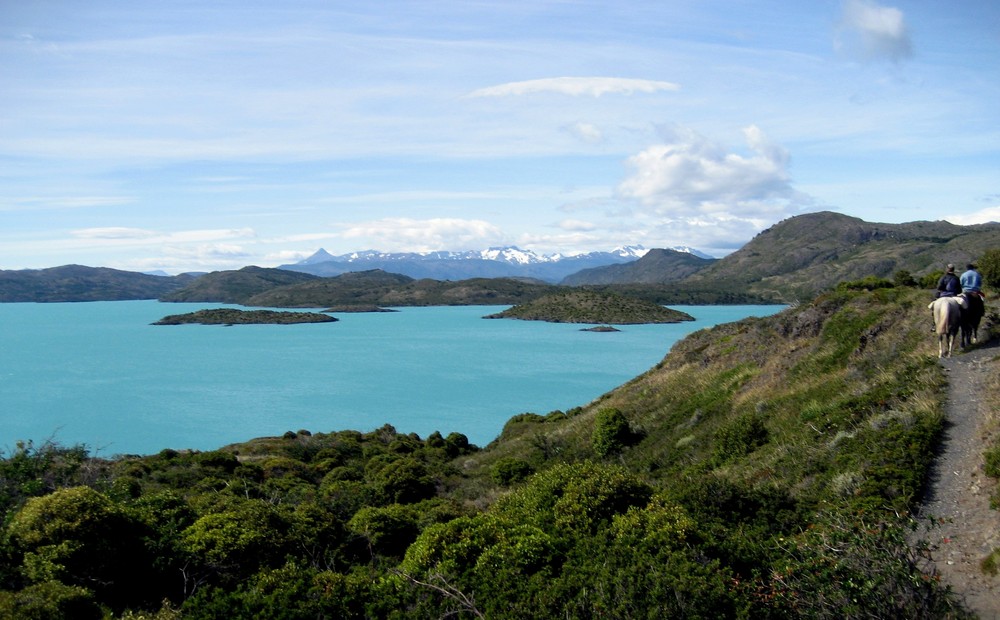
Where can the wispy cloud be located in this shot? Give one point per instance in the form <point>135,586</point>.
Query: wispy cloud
<point>125,235</point>
<point>576,225</point>
<point>576,87</point>
<point>36,203</point>
<point>873,32</point>
<point>113,232</point>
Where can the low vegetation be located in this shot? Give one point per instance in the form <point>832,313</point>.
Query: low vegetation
<point>764,469</point>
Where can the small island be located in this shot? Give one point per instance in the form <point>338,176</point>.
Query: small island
<point>359,308</point>
<point>232,316</point>
<point>583,306</point>
<point>601,329</point>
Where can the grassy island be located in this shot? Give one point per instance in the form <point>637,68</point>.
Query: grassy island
<point>583,306</point>
<point>232,316</point>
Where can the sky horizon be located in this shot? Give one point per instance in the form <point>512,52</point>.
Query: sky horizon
<point>192,136</point>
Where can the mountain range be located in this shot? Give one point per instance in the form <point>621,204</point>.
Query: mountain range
<point>789,262</point>
<point>495,262</point>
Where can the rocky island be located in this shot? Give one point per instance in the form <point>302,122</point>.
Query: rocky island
<point>583,306</point>
<point>232,316</point>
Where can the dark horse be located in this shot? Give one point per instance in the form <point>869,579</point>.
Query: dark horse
<point>971,315</point>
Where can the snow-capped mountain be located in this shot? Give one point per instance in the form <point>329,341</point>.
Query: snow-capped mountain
<point>495,262</point>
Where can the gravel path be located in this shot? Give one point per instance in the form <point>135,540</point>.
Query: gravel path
<point>959,493</point>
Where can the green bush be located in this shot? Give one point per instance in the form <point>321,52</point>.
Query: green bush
<point>49,600</point>
<point>989,267</point>
<point>80,537</point>
<point>992,462</point>
<point>846,567</point>
<point>403,481</point>
<point>389,530</point>
<point>611,432</point>
<point>508,471</point>
<point>740,437</point>
<point>868,283</point>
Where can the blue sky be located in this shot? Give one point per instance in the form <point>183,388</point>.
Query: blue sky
<point>183,136</point>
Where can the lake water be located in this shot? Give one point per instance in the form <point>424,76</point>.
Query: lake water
<point>99,374</point>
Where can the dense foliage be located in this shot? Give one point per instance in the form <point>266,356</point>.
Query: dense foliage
<point>764,469</point>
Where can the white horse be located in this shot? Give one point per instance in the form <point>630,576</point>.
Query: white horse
<point>947,312</point>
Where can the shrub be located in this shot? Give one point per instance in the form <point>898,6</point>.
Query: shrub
<point>903,278</point>
<point>80,537</point>
<point>403,481</point>
<point>868,283</point>
<point>508,471</point>
<point>389,530</point>
<point>50,600</point>
<point>611,432</point>
<point>740,437</point>
<point>845,567</point>
<point>989,267</point>
<point>992,464</point>
<point>456,444</point>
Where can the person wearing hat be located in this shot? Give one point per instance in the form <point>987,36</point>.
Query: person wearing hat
<point>949,285</point>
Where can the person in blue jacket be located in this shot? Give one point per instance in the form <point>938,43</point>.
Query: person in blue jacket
<point>971,281</point>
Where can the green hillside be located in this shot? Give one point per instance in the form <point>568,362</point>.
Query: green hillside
<point>237,286</point>
<point>801,256</point>
<point>380,288</point>
<point>764,469</point>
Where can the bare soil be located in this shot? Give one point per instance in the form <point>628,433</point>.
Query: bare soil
<point>961,527</point>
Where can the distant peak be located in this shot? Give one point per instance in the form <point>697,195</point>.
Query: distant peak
<point>690,250</point>
<point>319,256</point>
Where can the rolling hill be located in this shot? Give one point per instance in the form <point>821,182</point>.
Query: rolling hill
<point>82,283</point>
<point>803,255</point>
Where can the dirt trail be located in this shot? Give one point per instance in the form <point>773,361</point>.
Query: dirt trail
<point>959,494</point>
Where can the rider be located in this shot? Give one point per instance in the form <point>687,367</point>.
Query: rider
<point>949,285</point>
<point>972,283</point>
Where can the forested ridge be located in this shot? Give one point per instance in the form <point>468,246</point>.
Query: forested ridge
<point>766,468</point>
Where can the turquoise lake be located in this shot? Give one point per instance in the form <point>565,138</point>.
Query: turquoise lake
<point>99,374</point>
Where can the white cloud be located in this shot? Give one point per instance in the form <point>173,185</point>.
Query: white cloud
<point>693,188</point>
<point>576,87</point>
<point>872,32</point>
<point>406,234</point>
<point>690,175</point>
<point>990,214</point>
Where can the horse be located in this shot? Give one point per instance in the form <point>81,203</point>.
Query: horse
<point>971,315</point>
<point>947,312</point>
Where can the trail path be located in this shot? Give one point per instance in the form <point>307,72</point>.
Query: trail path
<point>959,493</point>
